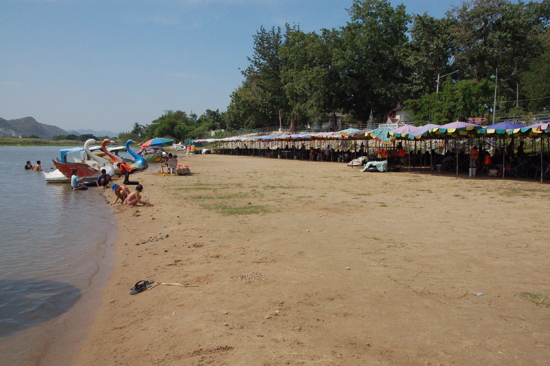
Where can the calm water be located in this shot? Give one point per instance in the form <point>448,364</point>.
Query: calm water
<point>53,244</point>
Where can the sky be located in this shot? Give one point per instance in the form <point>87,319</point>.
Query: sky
<point>107,64</point>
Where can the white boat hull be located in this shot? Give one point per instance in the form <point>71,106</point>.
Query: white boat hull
<point>56,177</point>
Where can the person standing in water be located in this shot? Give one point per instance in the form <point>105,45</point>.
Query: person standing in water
<point>28,166</point>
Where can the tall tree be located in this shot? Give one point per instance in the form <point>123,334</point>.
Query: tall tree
<point>431,53</point>
<point>265,70</point>
<point>498,36</point>
<point>138,130</point>
<point>249,106</point>
<point>311,82</point>
<point>371,60</point>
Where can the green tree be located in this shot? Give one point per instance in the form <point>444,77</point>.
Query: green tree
<point>430,52</point>
<point>264,71</point>
<point>249,106</point>
<point>312,84</point>
<point>86,136</point>
<point>456,101</point>
<point>138,130</point>
<point>371,59</point>
<point>536,83</point>
<point>492,35</point>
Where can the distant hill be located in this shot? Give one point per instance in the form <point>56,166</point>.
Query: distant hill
<point>95,133</point>
<point>25,127</point>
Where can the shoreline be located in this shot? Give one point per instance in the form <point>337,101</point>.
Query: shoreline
<point>295,262</point>
<point>72,329</point>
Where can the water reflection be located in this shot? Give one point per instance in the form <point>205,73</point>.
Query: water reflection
<point>26,303</point>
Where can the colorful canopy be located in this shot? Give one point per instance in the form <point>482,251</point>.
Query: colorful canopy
<point>457,129</point>
<point>500,128</point>
<point>380,133</point>
<point>349,131</point>
<point>403,132</point>
<point>421,131</point>
<point>157,141</point>
<point>535,130</point>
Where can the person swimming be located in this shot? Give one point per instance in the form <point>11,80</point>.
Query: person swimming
<point>37,167</point>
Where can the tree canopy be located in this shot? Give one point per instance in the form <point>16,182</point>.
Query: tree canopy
<point>440,69</point>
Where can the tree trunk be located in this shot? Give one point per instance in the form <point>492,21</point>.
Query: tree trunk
<point>292,123</point>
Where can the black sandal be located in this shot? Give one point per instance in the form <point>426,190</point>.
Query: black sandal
<point>141,286</point>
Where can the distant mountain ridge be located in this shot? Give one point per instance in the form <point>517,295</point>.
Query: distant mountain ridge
<point>100,133</point>
<point>27,126</point>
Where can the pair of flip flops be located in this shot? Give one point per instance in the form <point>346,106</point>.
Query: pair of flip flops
<point>141,286</point>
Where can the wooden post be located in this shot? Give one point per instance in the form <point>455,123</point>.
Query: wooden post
<point>456,151</point>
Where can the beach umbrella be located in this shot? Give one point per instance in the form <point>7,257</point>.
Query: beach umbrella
<point>349,131</point>
<point>380,133</point>
<point>157,142</point>
<point>500,128</point>
<point>529,131</point>
<point>422,131</point>
<point>403,132</point>
<point>457,129</point>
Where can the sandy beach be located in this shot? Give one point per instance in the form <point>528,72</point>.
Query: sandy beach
<point>289,262</point>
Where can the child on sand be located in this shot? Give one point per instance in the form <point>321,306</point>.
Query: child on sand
<point>121,192</point>
<point>135,197</point>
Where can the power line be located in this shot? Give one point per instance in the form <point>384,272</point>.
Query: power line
<point>524,100</point>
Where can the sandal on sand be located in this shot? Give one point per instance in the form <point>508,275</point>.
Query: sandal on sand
<point>141,286</point>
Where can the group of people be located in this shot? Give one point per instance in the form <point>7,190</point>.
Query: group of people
<point>36,168</point>
<point>121,191</point>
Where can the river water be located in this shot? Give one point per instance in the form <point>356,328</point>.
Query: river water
<point>55,246</point>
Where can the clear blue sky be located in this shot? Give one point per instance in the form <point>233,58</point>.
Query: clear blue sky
<point>106,64</point>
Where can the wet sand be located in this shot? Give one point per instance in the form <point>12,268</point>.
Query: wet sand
<point>300,263</point>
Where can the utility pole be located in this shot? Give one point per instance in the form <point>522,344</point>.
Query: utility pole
<point>437,90</point>
<point>495,100</point>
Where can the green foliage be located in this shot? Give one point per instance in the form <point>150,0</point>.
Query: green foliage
<point>536,85</point>
<point>497,34</point>
<point>86,136</point>
<point>312,85</point>
<point>65,137</point>
<point>383,56</point>
<point>11,141</point>
<point>455,102</point>
<point>371,57</point>
<point>430,51</point>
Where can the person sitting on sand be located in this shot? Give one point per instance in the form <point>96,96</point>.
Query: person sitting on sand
<point>37,167</point>
<point>135,197</point>
<point>121,192</point>
<point>28,166</point>
<point>75,185</point>
<point>103,179</point>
